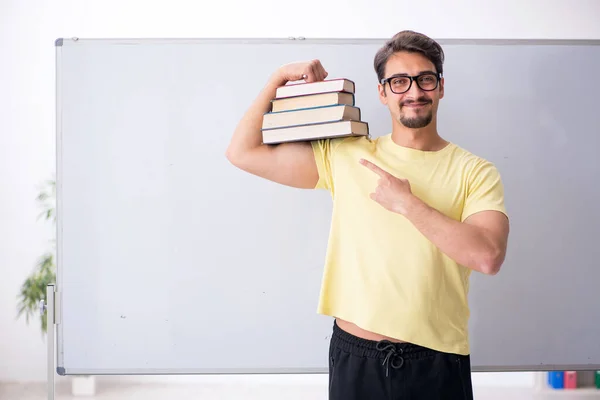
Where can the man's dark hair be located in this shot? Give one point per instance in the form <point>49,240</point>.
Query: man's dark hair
<point>412,42</point>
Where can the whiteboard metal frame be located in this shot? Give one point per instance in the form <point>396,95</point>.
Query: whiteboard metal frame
<point>322,40</point>
<point>61,42</point>
<point>58,188</point>
<point>49,306</point>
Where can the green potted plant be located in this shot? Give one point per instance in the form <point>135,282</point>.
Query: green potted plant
<point>33,290</point>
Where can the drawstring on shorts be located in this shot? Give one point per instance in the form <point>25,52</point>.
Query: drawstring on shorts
<point>393,356</point>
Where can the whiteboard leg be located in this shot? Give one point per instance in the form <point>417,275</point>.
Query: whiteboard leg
<point>50,324</point>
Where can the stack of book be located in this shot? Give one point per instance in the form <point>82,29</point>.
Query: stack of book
<point>313,110</point>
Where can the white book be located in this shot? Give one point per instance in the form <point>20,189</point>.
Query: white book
<point>310,115</point>
<point>304,88</point>
<point>312,100</point>
<point>315,131</point>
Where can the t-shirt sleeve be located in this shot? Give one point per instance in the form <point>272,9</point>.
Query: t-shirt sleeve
<point>324,153</point>
<point>485,190</point>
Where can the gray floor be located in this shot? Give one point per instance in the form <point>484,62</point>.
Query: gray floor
<point>189,391</point>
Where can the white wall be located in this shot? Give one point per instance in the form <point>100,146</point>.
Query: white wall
<point>28,29</point>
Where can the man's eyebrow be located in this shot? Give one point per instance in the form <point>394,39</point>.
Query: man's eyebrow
<point>398,75</point>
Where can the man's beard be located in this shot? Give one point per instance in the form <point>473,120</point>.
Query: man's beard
<point>416,122</point>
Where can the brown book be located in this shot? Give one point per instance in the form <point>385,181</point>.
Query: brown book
<point>309,132</point>
<point>310,115</point>
<point>312,100</point>
<point>304,88</point>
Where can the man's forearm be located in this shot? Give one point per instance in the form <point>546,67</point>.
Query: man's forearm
<point>466,244</point>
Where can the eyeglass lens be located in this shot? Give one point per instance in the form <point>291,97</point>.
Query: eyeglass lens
<point>402,84</point>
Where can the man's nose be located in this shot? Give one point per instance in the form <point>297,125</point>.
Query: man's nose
<point>415,91</point>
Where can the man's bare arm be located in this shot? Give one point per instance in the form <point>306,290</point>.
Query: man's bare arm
<point>291,164</point>
<point>478,243</point>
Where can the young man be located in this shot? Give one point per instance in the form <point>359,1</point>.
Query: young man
<point>413,216</point>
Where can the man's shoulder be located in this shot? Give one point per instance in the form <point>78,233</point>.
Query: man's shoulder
<point>474,167</point>
<point>467,158</point>
<point>347,143</point>
<point>357,141</point>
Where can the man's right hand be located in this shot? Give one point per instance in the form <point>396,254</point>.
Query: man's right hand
<point>291,164</point>
<point>310,71</point>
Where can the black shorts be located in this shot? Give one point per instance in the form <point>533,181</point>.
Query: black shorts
<point>361,369</point>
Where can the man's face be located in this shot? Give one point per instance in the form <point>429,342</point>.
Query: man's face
<point>415,108</point>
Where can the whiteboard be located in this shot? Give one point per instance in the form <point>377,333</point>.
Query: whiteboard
<point>172,261</point>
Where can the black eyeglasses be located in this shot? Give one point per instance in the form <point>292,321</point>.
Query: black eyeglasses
<point>402,83</point>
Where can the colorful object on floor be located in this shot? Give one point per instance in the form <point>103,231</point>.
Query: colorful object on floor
<point>556,379</point>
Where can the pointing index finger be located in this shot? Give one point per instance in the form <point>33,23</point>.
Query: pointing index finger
<point>373,168</point>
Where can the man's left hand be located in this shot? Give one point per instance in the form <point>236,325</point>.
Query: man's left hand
<point>392,193</point>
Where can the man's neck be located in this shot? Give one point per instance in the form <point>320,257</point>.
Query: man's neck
<point>425,139</point>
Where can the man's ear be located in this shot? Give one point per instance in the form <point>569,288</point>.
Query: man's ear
<point>441,88</point>
<point>382,94</point>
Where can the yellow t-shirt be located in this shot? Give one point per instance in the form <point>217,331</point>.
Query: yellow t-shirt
<point>380,272</point>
